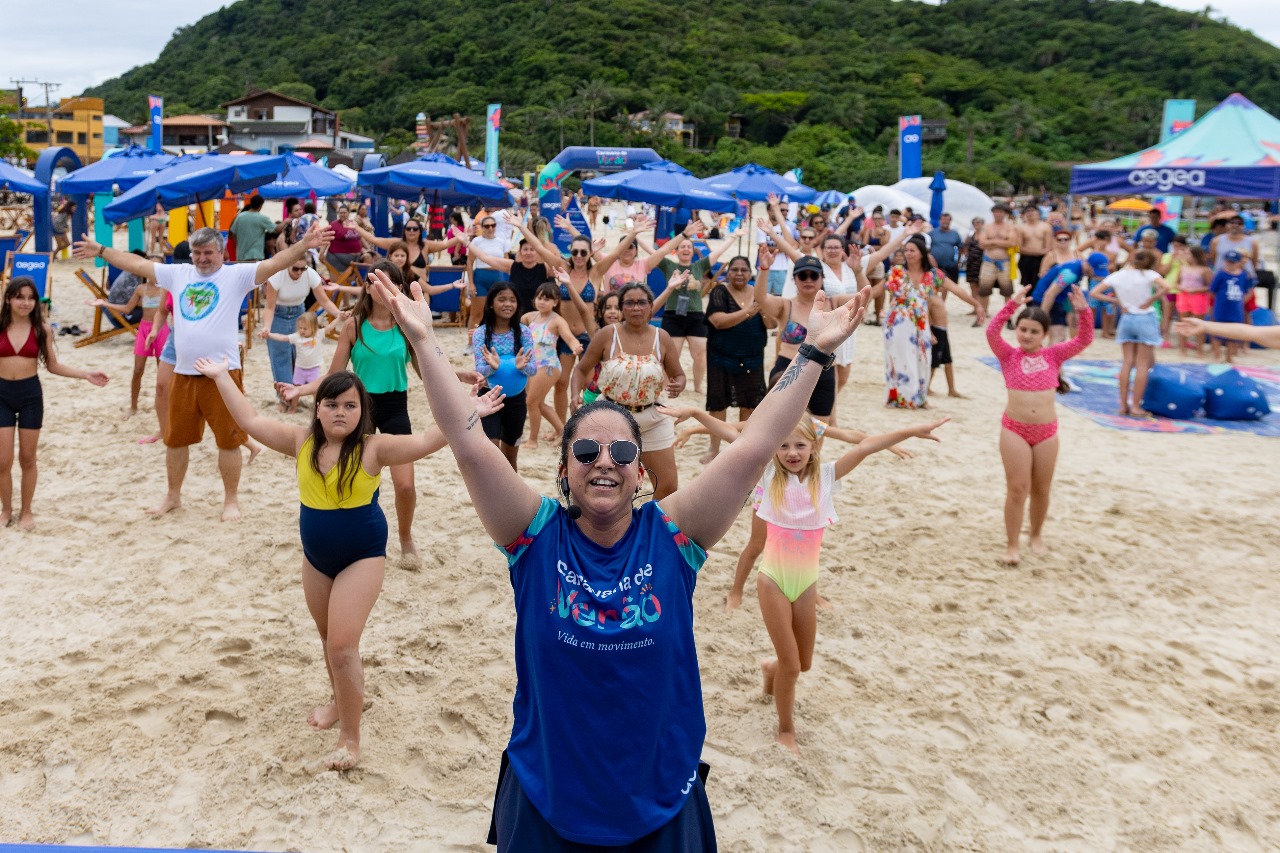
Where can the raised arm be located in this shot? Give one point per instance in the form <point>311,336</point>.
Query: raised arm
<point>843,227</point>
<point>370,237</point>
<point>707,506</point>
<point>770,305</point>
<point>886,251</point>
<point>1267,336</point>
<point>609,258</point>
<point>505,503</point>
<point>279,436</point>
<point>1002,348</point>
<point>391,450</point>
<point>318,237</point>
<point>651,262</point>
<point>503,264</point>
<point>550,256</point>
<point>1084,330</point>
<point>875,443</point>
<point>85,249</point>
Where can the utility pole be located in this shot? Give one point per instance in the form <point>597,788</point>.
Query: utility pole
<point>48,102</point>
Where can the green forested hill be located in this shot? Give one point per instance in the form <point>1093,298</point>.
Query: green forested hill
<point>1026,84</point>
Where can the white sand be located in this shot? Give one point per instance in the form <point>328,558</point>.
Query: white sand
<point>1119,694</point>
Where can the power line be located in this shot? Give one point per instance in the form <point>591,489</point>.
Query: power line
<point>48,101</point>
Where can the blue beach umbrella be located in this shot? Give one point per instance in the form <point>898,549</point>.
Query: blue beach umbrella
<point>939,187</point>
<point>665,184</point>
<point>305,178</point>
<point>17,181</point>
<point>125,169</point>
<point>437,175</point>
<point>753,182</point>
<point>830,198</point>
<point>196,178</point>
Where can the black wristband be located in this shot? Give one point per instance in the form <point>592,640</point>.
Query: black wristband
<point>812,353</point>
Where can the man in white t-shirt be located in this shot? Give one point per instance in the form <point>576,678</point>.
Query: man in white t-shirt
<point>207,294</point>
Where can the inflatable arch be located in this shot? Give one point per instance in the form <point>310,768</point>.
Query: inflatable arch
<point>577,157</point>
<point>50,159</point>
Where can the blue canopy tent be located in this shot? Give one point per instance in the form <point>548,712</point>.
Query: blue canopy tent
<point>304,179</point>
<point>1233,151</point>
<point>665,184</point>
<point>830,198</point>
<point>753,182</point>
<point>437,176</point>
<point>196,178</point>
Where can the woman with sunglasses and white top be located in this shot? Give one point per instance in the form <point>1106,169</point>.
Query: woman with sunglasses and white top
<point>603,593</point>
<point>483,275</point>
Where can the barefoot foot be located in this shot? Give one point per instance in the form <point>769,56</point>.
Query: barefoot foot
<point>1038,547</point>
<point>1011,557</point>
<point>27,522</point>
<point>170,503</point>
<point>767,669</point>
<point>150,439</point>
<point>708,456</point>
<point>342,758</point>
<point>6,518</point>
<point>531,444</point>
<point>788,739</point>
<point>957,395</point>
<point>230,511</point>
<point>254,449</point>
<point>323,717</point>
<point>733,600</point>
<point>823,603</point>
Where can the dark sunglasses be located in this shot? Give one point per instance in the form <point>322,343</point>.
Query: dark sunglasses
<point>298,269</point>
<point>579,253</point>
<point>1063,239</point>
<point>807,276</point>
<point>587,451</point>
<point>809,236</point>
<point>487,224</point>
<point>412,228</point>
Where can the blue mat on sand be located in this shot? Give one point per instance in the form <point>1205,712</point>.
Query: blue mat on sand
<point>1099,395</point>
<point>45,848</point>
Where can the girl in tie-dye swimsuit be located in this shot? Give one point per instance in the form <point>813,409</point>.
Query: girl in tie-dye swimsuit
<point>794,500</point>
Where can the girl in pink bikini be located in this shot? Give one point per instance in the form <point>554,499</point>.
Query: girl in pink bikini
<point>1029,438</point>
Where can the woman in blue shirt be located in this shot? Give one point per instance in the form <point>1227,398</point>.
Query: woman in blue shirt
<point>608,710</point>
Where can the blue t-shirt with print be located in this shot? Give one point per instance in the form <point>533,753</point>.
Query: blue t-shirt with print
<point>1229,291</point>
<point>608,708</point>
<point>1068,275</point>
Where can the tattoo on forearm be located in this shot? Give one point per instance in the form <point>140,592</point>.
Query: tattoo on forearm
<point>439,351</point>
<point>792,373</point>
<point>472,419</point>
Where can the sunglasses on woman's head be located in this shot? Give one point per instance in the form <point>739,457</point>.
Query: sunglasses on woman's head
<point>587,451</point>
<point>807,276</point>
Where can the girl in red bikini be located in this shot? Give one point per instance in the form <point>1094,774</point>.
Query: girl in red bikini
<point>1029,438</point>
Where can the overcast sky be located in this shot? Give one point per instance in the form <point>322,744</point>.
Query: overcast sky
<point>85,42</point>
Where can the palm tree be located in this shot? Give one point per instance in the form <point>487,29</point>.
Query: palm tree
<point>971,123</point>
<point>594,95</point>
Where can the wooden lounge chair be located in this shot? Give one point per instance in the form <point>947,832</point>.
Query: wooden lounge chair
<point>99,314</point>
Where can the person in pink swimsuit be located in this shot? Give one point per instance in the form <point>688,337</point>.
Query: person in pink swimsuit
<point>1029,438</point>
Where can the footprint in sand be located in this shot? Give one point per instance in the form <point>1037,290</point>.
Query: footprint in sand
<point>950,730</point>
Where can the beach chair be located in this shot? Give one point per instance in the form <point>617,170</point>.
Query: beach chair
<point>35,265</point>
<point>449,302</point>
<point>99,291</point>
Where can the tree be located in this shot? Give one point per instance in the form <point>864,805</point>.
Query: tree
<point>594,95</point>
<point>970,124</point>
<point>13,140</point>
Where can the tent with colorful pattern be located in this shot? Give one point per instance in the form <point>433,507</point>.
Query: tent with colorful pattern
<point>1232,151</point>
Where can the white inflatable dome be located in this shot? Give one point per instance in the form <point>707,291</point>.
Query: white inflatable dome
<point>963,201</point>
<point>889,198</point>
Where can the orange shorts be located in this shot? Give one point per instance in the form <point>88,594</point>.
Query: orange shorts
<point>193,400</point>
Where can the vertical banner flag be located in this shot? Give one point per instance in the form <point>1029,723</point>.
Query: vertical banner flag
<point>1178,116</point>
<point>910,159</point>
<point>156,105</point>
<point>492,125</point>
<point>420,130</point>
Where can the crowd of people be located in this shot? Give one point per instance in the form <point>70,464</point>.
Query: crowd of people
<point>587,329</point>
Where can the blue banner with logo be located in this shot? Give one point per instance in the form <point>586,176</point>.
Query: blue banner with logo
<point>493,123</point>
<point>910,148</point>
<point>1237,182</point>
<point>155,104</point>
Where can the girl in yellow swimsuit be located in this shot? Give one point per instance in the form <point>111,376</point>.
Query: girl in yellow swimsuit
<point>794,500</point>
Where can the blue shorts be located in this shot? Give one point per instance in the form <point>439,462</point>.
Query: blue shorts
<point>777,281</point>
<point>563,349</point>
<point>170,353</point>
<point>1139,329</point>
<point>333,539</point>
<point>485,279</point>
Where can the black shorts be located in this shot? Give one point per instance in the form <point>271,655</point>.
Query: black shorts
<point>1057,314</point>
<point>21,403</point>
<point>507,424</point>
<point>738,390</point>
<point>952,273</point>
<point>1029,269</point>
<point>822,402</point>
<point>563,349</point>
<point>391,413</point>
<point>942,349</point>
<point>517,825</point>
<point>691,325</point>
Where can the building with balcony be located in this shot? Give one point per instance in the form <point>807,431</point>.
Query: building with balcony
<point>670,124</point>
<point>268,122</point>
<point>185,134</point>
